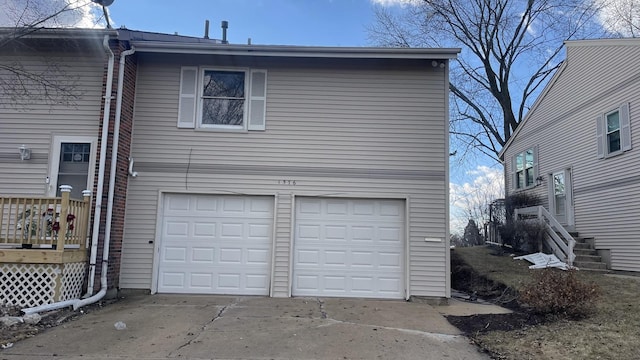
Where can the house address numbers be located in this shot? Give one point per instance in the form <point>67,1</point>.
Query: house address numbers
<point>287,182</point>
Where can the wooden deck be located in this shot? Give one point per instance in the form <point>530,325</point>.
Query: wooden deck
<point>44,230</point>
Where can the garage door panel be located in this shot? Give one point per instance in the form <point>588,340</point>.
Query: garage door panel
<point>349,247</point>
<point>203,255</point>
<point>216,244</point>
<point>175,254</point>
<point>257,256</point>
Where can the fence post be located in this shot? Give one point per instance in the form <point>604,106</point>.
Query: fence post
<point>65,191</point>
<point>85,219</point>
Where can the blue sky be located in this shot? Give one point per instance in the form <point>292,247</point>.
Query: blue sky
<point>282,22</point>
<point>272,22</point>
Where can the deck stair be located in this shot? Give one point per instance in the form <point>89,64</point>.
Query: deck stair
<point>587,257</point>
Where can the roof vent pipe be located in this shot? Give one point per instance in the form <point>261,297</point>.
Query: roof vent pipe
<point>225,26</point>
<point>206,29</point>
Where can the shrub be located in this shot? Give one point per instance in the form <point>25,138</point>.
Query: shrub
<point>559,293</point>
<point>520,200</point>
<point>523,235</point>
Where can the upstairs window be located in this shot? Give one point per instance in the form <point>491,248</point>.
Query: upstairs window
<point>613,132</point>
<point>222,99</point>
<point>525,166</point>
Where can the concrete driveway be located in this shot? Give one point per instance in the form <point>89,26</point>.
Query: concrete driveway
<point>229,327</point>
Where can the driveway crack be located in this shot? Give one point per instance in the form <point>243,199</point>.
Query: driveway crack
<point>206,326</point>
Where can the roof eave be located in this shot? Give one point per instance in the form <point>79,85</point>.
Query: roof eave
<point>296,51</point>
<point>58,33</point>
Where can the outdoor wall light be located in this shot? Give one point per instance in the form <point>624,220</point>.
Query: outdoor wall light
<point>25,152</point>
<point>539,180</point>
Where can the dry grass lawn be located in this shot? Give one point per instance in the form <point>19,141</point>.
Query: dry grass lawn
<point>612,332</point>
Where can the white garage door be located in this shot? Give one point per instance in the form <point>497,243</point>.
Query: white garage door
<point>349,248</point>
<point>215,244</point>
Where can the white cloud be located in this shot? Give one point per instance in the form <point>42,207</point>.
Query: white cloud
<point>51,13</point>
<point>620,16</point>
<point>471,199</point>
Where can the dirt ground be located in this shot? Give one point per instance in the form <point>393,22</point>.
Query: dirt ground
<point>466,280</point>
<point>17,332</point>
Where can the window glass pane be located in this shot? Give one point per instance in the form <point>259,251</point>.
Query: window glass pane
<point>558,184</point>
<point>225,84</point>
<point>222,111</point>
<point>519,179</point>
<point>519,162</point>
<point>529,179</point>
<point>529,159</point>
<point>613,122</point>
<point>613,139</point>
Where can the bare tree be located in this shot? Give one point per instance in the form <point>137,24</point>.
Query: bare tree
<point>510,48</point>
<point>621,17</point>
<point>23,83</point>
<point>471,200</point>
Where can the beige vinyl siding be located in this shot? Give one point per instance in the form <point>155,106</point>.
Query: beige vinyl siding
<point>357,133</point>
<point>282,249</point>
<point>34,124</point>
<point>606,192</point>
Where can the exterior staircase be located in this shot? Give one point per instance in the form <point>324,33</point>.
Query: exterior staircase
<point>587,257</point>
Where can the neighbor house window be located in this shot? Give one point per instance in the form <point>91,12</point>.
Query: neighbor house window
<point>525,169</point>
<point>613,132</point>
<point>222,98</point>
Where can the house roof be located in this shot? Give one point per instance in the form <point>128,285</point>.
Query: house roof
<point>145,41</point>
<point>567,44</point>
<point>139,36</point>
<point>176,44</point>
<point>50,33</point>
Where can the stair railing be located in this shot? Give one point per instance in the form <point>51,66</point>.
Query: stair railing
<point>558,240</point>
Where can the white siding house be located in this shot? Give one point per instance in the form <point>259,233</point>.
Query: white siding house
<point>289,171</point>
<point>582,141</point>
<point>48,124</point>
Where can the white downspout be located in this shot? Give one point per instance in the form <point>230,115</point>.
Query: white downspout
<point>103,157</point>
<point>77,303</point>
<point>112,184</point>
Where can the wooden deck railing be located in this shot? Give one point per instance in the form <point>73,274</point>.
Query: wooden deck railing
<point>45,222</point>
<point>558,238</point>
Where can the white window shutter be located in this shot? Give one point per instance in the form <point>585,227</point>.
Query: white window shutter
<point>536,172</point>
<point>188,91</point>
<point>600,137</point>
<point>625,127</point>
<point>257,100</point>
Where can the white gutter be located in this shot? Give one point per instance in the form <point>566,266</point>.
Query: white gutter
<point>77,303</point>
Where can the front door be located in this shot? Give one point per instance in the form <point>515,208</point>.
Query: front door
<point>72,159</point>
<point>560,201</point>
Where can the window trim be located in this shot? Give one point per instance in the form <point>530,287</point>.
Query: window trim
<point>534,167</point>
<point>602,133</point>
<point>200,98</point>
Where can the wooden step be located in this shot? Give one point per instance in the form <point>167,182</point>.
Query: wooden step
<point>588,258</point>
<point>584,252</point>
<point>590,265</point>
<point>583,246</point>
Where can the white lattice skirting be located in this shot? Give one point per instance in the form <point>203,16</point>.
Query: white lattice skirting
<point>28,285</point>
